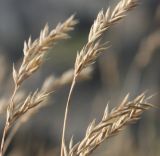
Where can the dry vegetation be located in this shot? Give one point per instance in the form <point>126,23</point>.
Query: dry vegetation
<point>19,110</point>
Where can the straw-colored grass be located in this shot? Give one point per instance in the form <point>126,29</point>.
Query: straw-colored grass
<point>111,123</point>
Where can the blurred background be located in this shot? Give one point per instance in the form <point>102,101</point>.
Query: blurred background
<point>130,65</point>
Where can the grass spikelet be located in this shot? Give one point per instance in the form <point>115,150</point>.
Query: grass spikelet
<point>111,124</point>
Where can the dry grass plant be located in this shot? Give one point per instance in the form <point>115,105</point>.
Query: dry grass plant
<point>94,47</point>
<point>33,57</point>
<point>111,123</point>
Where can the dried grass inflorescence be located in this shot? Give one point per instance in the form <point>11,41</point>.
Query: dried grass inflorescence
<point>20,111</point>
<point>103,22</point>
<point>33,57</point>
<point>35,51</point>
<point>111,124</point>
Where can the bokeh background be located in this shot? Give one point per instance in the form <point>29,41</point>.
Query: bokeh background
<point>131,65</point>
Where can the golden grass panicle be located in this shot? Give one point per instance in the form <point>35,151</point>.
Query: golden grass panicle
<point>35,51</point>
<point>104,20</point>
<point>111,124</point>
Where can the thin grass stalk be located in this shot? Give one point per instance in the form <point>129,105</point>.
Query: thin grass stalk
<point>6,128</point>
<point>11,135</point>
<point>66,114</point>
